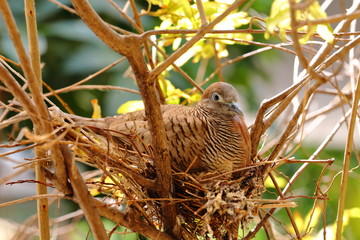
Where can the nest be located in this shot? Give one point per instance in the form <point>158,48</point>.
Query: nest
<point>215,207</point>
<point>206,206</point>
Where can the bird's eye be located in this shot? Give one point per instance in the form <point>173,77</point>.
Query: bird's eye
<point>216,97</point>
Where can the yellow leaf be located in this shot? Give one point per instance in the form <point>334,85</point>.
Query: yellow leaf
<point>195,97</point>
<point>155,2</point>
<point>166,87</point>
<point>94,192</point>
<point>280,20</point>
<point>315,10</point>
<point>325,32</point>
<point>351,213</point>
<point>176,43</point>
<point>96,109</point>
<point>130,106</point>
<point>171,93</point>
<point>187,55</point>
<point>210,8</point>
<point>312,218</point>
<point>183,14</point>
<point>236,20</point>
<point>188,11</point>
<point>281,182</point>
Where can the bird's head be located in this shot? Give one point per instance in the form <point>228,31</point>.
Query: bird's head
<point>221,98</point>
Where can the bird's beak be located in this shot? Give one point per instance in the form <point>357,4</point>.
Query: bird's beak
<point>235,107</point>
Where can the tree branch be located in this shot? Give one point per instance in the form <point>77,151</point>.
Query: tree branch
<point>119,43</point>
<point>39,114</point>
<point>201,32</point>
<point>83,196</point>
<point>346,161</point>
<point>130,47</point>
<point>127,220</point>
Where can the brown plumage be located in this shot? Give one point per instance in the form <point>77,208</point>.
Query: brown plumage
<point>210,137</point>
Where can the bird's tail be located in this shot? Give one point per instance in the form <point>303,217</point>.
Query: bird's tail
<point>97,123</point>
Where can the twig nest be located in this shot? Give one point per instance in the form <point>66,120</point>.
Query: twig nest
<point>215,208</point>
<point>205,207</point>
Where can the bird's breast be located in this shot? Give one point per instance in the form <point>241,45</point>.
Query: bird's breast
<point>240,128</point>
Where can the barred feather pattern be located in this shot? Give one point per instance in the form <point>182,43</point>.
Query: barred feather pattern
<point>210,137</point>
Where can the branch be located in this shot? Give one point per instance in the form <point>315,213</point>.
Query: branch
<point>39,114</point>
<point>119,43</point>
<point>259,126</point>
<point>200,33</point>
<point>281,196</point>
<point>83,196</point>
<point>346,161</point>
<point>201,12</point>
<point>35,88</point>
<point>127,220</point>
<point>15,88</point>
<point>130,47</point>
<point>331,19</point>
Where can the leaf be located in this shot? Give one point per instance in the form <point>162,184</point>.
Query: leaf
<point>280,181</point>
<point>280,20</point>
<point>351,213</point>
<point>325,32</point>
<point>183,14</point>
<point>298,218</point>
<point>171,93</point>
<point>316,12</point>
<point>313,218</point>
<point>188,12</point>
<point>96,109</point>
<point>176,43</point>
<point>195,97</point>
<point>130,106</point>
<point>210,8</point>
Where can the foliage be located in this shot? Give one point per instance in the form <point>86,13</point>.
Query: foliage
<point>177,15</point>
<point>280,18</point>
<point>172,96</point>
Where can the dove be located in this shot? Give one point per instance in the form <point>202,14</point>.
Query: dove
<point>210,137</point>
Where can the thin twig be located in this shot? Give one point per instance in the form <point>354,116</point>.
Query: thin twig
<point>31,198</point>
<point>42,203</point>
<point>330,19</point>
<point>201,32</point>
<point>346,162</point>
<point>83,197</point>
<point>91,87</point>
<point>291,217</point>
<point>200,8</point>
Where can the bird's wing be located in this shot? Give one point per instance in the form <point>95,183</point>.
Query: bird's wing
<point>184,132</point>
<point>185,135</point>
<point>166,110</point>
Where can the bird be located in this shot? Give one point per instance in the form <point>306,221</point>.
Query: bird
<point>210,137</point>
